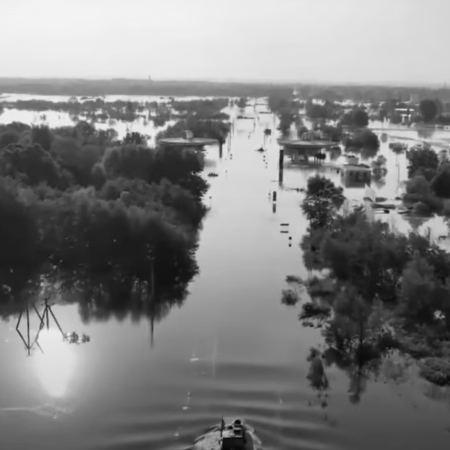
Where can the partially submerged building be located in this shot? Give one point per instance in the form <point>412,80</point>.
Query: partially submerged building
<point>355,175</point>
<point>187,142</point>
<point>300,150</point>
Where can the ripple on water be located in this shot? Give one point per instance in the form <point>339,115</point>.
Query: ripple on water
<point>272,399</point>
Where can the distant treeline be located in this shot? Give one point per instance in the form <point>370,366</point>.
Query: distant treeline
<point>371,94</point>
<point>101,110</point>
<point>368,93</point>
<point>134,87</point>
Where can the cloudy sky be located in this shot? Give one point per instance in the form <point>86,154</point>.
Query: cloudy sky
<point>280,40</point>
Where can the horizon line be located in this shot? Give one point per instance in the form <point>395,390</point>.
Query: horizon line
<point>241,81</point>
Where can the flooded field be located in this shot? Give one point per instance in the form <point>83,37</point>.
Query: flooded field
<point>232,348</point>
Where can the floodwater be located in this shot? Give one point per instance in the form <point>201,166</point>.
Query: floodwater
<point>231,349</point>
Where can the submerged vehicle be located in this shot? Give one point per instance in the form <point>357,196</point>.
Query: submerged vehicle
<point>230,435</point>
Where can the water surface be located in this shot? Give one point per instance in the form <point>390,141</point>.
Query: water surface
<point>231,349</point>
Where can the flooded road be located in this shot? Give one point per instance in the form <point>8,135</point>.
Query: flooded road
<point>231,349</point>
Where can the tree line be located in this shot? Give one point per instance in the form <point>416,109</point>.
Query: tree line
<point>108,223</point>
<point>372,290</point>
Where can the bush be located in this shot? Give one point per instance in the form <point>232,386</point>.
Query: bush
<point>356,118</point>
<point>42,136</point>
<point>441,182</point>
<point>289,297</point>
<point>314,310</point>
<point>9,137</point>
<point>31,163</point>
<point>436,370</point>
<point>324,187</point>
<point>418,185</point>
<point>363,140</point>
<point>421,159</point>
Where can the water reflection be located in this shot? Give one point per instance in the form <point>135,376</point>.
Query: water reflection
<point>55,367</point>
<point>28,341</point>
<point>259,355</point>
<point>55,363</point>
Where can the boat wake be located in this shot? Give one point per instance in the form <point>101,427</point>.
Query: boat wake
<point>48,410</point>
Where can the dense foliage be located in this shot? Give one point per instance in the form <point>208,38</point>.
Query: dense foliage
<point>211,109</point>
<point>375,290</point>
<point>358,118</point>
<point>202,128</point>
<point>326,110</point>
<point>429,182</point>
<point>364,141</point>
<point>422,161</point>
<point>323,199</point>
<point>428,110</point>
<point>106,224</point>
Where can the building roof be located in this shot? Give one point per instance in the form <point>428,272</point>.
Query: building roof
<point>182,142</point>
<point>299,144</point>
<point>356,167</point>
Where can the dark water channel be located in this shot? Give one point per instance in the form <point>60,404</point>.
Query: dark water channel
<point>232,348</point>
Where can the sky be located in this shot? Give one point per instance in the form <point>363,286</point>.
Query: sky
<point>362,41</point>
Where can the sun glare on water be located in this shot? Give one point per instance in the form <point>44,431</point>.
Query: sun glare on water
<point>55,367</point>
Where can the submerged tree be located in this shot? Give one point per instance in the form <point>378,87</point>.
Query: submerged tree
<point>356,118</point>
<point>440,184</point>
<point>41,135</point>
<point>378,290</point>
<point>323,200</point>
<point>428,110</point>
<point>113,229</point>
<point>213,129</point>
<point>422,161</point>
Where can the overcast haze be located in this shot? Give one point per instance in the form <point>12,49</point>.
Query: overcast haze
<point>280,40</point>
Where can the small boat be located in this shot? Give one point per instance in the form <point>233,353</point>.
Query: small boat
<point>229,435</point>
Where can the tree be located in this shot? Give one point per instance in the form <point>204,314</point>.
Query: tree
<point>324,187</point>
<point>9,137</point>
<point>84,130</point>
<point>422,159</point>
<point>418,185</point>
<point>98,177</point>
<point>135,138</point>
<point>78,159</point>
<point>179,167</point>
<point>315,110</point>
<point>365,254</point>
<point>242,103</point>
<point>428,110</point>
<point>417,291</point>
<point>440,184</point>
<point>18,233</point>
<point>213,129</point>
<point>365,140</point>
<point>333,133</point>
<point>322,201</point>
<point>378,291</point>
<point>92,243</point>
<point>102,138</point>
<point>280,100</point>
<point>286,120</point>
<point>31,163</point>
<point>42,136</point>
<point>356,118</point>
<point>360,118</point>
